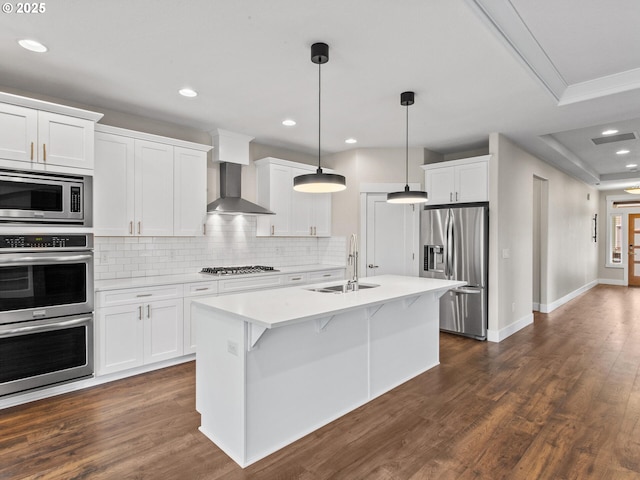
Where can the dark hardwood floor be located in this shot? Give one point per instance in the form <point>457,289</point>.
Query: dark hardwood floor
<point>558,400</point>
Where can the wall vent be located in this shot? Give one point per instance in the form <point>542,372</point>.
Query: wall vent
<point>614,138</point>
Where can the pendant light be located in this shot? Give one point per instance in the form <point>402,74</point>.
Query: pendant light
<point>319,182</point>
<point>407,196</point>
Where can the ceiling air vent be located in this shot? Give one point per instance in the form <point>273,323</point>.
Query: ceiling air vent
<point>614,138</point>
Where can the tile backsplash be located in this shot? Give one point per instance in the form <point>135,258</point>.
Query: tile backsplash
<point>230,240</point>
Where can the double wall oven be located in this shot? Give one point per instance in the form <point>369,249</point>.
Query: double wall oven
<point>46,282</point>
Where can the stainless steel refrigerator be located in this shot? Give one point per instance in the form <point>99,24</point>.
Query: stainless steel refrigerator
<point>454,241</point>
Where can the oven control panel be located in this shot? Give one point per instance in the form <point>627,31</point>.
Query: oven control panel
<point>44,241</point>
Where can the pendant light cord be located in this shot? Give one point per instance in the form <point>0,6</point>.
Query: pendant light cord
<point>319,110</point>
<point>407,150</point>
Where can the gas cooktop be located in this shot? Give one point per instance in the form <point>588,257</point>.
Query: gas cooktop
<point>237,270</point>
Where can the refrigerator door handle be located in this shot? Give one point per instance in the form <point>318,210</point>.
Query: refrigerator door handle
<point>466,290</point>
<point>450,244</point>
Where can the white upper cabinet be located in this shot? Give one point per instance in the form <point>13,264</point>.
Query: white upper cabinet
<point>146,187</point>
<point>113,185</point>
<point>153,188</point>
<point>458,181</point>
<point>45,140</point>
<point>297,214</point>
<point>189,191</point>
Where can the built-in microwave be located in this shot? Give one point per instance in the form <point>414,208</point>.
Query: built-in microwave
<point>38,198</point>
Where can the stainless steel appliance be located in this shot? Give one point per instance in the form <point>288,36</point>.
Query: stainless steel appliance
<point>224,271</point>
<point>46,310</point>
<point>455,241</point>
<point>38,198</point>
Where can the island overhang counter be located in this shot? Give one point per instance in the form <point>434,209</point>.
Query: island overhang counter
<point>272,366</point>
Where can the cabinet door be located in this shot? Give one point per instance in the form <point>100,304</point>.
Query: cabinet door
<point>163,330</point>
<point>190,192</point>
<point>440,185</point>
<point>153,188</point>
<point>18,133</point>
<point>280,188</point>
<point>321,214</point>
<point>301,207</point>
<point>471,182</point>
<point>120,331</point>
<point>189,344</point>
<point>113,185</point>
<point>66,141</point>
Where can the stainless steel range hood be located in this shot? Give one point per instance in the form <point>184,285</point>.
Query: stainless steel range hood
<point>230,202</point>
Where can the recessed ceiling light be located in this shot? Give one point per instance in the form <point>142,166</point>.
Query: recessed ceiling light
<point>288,122</point>
<point>609,132</point>
<point>187,92</point>
<point>631,165</point>
<point>622,152</point>
<point>351,140</point>
<point>32,45</point>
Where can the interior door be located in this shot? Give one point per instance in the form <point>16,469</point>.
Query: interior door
<point>392,238</point>
<point>634,250</point>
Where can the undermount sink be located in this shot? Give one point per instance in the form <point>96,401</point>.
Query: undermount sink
<point>342,288</point>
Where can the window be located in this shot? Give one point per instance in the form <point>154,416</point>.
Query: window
<point>615,240</point>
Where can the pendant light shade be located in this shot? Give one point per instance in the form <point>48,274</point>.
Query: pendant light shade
<point>407,196</point>
<point>319,182</point>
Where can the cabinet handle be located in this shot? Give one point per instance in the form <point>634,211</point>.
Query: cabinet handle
<point>204,228</point>
<point>315,231</point>
<point>131,227</point>
<point>139,227</point>
<point>456,196</point>
<point>371,265</point>
<point>326,275</point>
<point>202,289</point>
<point>295,279</point>
<point>310,230</point>
<point>140,312</point>
<point>44,152</point>
<point>148,311</point>
<point>450,196</point>
<point>32,151</point>
<point>144,295</point>
<point>273,230</point>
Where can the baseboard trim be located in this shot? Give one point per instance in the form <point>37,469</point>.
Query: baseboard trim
<point>610,281</point>
<point>499,335</point>
<point>550,307</point>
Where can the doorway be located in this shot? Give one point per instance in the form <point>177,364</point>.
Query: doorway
<point>539,243</point>
<point>634,250</point>
<point>391,237</point>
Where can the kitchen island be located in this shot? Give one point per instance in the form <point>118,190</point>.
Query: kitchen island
<point>273,366</point>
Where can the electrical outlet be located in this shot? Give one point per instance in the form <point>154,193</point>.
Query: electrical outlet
<point>232,348</point>
<point>104,258</point>
<point>278,251</point>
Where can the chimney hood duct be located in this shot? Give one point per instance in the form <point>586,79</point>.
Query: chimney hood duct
<point>230,202</point>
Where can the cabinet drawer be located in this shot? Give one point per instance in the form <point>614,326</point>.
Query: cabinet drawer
<point>244,284</point>
<point>200,288</point>
<point>294,279</point>
<point>136,295</point>
<point>325,276</point>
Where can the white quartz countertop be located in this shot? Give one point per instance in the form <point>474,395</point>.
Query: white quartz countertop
<point>118,283</point>
<point>283,306</point>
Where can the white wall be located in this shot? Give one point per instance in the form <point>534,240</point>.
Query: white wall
<point>572,256</point>
<point>369,165</point>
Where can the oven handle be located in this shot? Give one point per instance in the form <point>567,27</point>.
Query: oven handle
<point>43,326</point>
<point>21,259</point>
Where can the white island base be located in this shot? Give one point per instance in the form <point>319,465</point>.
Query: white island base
<point>273,366</point>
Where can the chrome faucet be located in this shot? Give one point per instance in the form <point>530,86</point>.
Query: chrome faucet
<point>352,285</point>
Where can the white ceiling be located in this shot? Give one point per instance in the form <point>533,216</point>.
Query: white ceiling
<point>547,74</point>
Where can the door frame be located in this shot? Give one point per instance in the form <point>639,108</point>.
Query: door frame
<point>367,189</point>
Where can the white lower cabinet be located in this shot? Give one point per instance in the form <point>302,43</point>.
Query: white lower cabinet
<point>136,333</point>
<point>145,325</point>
